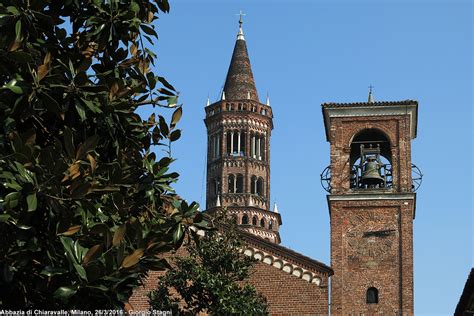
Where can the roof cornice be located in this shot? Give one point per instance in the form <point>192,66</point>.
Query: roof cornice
<point>365,109</point>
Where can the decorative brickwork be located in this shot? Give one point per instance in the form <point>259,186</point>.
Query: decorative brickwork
<point>238,156</point>
<point>293,284</point>
<point>371,224</point>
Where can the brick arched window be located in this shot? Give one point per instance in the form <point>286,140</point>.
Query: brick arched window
<point>245,219</point>
<point>262,222</point>
<point>253,185</point>
<point>254,221</point>
<point>372,296</point>
<point>240,184</point>
<point>231,184</point>
<point>260,186</point>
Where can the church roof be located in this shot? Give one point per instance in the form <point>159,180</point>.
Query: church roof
<point>285,253</point>
<point>239,83</point>
<point>374,103</point>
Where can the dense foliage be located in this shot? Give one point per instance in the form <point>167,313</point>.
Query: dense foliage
<point>85,205</point>
<point>211,278</point>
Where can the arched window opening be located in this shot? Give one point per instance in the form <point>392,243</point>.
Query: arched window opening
<point>372,296</point>
<point>245,219</point>
<point>229,143</point>
<point>231,184</point>
<point>235,142</point>
<point>240,184</point>
<point>242,144</point>
<point>252,145</point>
<point>216,187</point>
<point>262,222</point>
<point>254,221</point>
<point>270,224</point>
<point>229,107</point>
<point>262,148</point>
<point>253,185</point>
<point>260,186</point>
<point>370,160</point>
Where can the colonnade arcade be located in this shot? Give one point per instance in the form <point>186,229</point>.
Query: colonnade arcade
<point>238,143</point>
<point>235,184</point>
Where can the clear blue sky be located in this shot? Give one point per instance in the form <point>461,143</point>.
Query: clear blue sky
<point>304,53</point>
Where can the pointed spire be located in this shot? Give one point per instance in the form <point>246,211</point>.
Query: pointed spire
<point>239,83</point>
<point>208,101</point>
<point>240,35</point>
<point>218,202</point>
<point>275,208</point>
<point>268,100</point>
<point>223,95</point>
<point>371,98</point>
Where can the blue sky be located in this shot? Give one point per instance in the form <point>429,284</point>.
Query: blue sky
<point>304,53</point>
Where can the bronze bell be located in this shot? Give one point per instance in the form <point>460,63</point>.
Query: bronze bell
<point>371,174</point>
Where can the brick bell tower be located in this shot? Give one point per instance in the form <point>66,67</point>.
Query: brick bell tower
<point>371,183</point>
<point>238,151</point>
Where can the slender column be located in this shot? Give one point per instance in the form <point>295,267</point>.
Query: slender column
<point>231,142</point>
<point>258,149</point>
<point>253,146</point>
<point>238,143</point>
<point>235,184</point>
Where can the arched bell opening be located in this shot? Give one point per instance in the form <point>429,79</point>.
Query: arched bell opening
<point>371,160</point>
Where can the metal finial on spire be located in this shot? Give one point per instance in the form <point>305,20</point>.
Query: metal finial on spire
<point>218,202</point>
<point>275,208</point>
<point>208,101</point>
<point>268,100</point>
<point>371,97</point>
<point>223,95</point>
<point>240,35</point>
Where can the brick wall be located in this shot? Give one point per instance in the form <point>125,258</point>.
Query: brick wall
<point>286,294</point>
<point>361,259</point>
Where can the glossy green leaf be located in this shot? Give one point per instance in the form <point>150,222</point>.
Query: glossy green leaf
<point>65,292</point>
<point>32,202</point>
<point>11,200</point>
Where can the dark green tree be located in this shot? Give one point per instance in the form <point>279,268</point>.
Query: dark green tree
<point>211,278</point>
<point>85,204</point>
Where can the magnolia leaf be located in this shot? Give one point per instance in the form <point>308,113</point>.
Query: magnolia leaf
<point>42,71</point>
<point>65,292</point>
<point>68,137</point>
<point>132,259</point>
<point>18,31</point>
<point>172,101</point>
<point>32,202</point>
<point>81,111</point>
<point>92,162</point>
<point>92,253</point>
<point>119,234</point>
<point>176,116</point>
<point>178,234</point>
<point>88,145</point>
<point>175,135</point>
<point>71,230</point>
<point>11,200</point>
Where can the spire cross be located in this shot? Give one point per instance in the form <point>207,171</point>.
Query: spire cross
<point>241,14</point>
<point>370,88</point>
